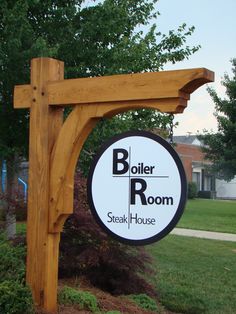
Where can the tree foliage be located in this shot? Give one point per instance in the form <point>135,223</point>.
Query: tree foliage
<point>220,147</point>
<point>95,40</point>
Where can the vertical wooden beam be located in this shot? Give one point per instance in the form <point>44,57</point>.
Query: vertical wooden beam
<point>45,124</point>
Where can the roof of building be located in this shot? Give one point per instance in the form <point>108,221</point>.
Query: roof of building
<point>187,139</point>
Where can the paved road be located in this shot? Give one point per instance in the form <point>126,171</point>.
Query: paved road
<point>205,234</point>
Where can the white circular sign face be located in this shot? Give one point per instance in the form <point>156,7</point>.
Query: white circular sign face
<point>137,187</point>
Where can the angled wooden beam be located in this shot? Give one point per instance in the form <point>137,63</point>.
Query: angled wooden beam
<point>117,88</point>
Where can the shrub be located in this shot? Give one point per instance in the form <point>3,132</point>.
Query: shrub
<point>85,300</point>
<point>145,302</point>
<point>113,312</point>
<point>192,190</point>
<point>86,249</point>
<point>12,265</point>
<point>207,194</point>
<point>15,298</point>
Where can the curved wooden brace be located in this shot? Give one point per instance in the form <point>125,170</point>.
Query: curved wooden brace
<point>74,132</point>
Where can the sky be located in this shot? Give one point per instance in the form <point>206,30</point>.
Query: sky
<point>215,31</point>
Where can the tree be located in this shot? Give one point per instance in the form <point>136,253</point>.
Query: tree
<point>220,147</point>
<point>96,40</point>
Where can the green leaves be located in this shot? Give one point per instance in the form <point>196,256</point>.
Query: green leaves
<point>220,148</point>
<point>15,296</point>
<point>84,299</point>
<point>12,261</point>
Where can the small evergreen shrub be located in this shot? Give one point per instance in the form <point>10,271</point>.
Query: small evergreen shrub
<point>145,302</point>
<point>113,312</point>
<point>85,300</point>
<point>12,261</point>
<point>192,190</point>
<point>15,298</point>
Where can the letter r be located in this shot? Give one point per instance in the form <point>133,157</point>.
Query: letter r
<point>135,191</point>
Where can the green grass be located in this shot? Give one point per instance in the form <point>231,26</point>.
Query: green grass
<point>21,228</point>
<point>212,215</point>
<point>195,276</point>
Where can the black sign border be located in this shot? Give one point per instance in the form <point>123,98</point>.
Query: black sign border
<point>183,196</point>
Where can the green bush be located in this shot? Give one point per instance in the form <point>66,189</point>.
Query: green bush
<point>192,190</point>
<point>86,300</point>
<point>113,312</point>
<point>145,302</point>
<point>15,298</point>
<point>12,265</point>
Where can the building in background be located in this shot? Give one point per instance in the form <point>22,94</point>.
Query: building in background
<point>195,164</point>
<point>197,169</point>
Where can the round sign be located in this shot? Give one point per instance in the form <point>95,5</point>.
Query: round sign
<point>137,187</point>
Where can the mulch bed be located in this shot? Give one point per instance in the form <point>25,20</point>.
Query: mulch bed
<point>106,301</point>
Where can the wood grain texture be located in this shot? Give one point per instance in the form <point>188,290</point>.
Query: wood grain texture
<point>119,88</point>
<point>129,87</point>
<point>44,128</point>
<point>64,159</point>
<point>22,96</point>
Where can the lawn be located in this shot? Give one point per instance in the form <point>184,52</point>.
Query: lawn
<point>195,275</point>
<point>212,215</point>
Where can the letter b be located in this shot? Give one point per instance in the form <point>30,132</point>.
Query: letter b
<point>122,161</point>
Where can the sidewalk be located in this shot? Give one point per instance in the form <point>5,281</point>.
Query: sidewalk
<point>205,234</point>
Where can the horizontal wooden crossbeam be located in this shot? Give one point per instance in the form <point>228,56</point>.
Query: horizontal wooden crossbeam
<point>117,88</point>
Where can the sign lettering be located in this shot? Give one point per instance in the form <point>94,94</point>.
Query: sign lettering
<point>137,187</point>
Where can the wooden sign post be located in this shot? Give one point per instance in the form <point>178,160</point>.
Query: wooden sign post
<point>55,146</point>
